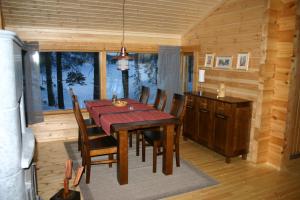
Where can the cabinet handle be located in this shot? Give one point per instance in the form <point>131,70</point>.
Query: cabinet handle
<point>221,116</point>
<point>203,110</point>
<point>189,106</point>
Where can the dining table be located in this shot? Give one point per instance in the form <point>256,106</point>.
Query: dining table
<point>118,120</point>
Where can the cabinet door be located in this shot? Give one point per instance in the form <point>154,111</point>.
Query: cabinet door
<point>204,121</point>
<point>220,132</point>
<point>203,116</point>
<point>189,120</point>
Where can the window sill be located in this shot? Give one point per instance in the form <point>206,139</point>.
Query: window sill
<point>58,112</point>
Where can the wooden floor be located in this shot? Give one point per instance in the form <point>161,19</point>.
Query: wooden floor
<point>238,180</point>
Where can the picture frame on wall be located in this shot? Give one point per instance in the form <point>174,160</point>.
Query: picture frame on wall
<point>209,60</point>
<point>242,61</point>
<point>224,62</point>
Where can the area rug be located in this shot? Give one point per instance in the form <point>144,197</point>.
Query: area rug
<point>142,183</point>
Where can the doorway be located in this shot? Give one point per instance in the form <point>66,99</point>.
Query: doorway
<point>188,71</point>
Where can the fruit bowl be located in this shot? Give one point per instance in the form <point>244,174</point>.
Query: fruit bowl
<point>120,103</point>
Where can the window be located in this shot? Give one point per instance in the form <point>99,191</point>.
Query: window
<point>142,71</point>
<point>60,71</point>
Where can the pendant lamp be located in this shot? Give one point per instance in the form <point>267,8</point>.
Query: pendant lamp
<point>123,58</point>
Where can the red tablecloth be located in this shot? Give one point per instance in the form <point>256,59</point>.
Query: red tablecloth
<point>105,114</point>
<point>105,102</point>
<point>97,103</point>
<point>97,112</point>
<point>108,119</point>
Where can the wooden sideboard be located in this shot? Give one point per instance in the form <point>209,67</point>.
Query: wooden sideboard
<point>221,124</point>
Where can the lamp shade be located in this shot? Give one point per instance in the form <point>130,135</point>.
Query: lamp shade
<point>201,75</point>
<point>123,60</point>
<point>122,64</point>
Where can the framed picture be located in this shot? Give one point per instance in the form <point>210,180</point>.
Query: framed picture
<point>242,61</point>
<point>209,60</point>
<point>224,62</point>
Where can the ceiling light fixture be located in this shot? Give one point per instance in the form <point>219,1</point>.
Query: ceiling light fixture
<point>123,57</point>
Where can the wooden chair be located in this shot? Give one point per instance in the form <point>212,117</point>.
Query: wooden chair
<point>144,95</point>
<point>145,92</point>
<point>160,100</point>
<point>105,145</point>
<point>159,104</point>
<point>92,129</point>
<point>155,137</point>
<point>88,122</point>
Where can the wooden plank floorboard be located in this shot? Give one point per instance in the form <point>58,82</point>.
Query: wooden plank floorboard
<point>241,180</point>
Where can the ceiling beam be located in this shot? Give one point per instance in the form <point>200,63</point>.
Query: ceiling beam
<point>91,36</point>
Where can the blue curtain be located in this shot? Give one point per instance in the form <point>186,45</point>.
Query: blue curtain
<point>32,91</point>
<point>169,78</point>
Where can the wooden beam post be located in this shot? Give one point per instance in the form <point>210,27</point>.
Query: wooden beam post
<point>1,17</point>
<point>196,70</point>
<point>103,74</point>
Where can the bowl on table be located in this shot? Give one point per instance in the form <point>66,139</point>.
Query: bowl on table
<point>120,103</point>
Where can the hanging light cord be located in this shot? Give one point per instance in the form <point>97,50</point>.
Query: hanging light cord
<point>123,23</point>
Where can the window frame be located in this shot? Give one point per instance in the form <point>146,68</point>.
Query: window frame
<point>68,111</point>
<point>102,70</point>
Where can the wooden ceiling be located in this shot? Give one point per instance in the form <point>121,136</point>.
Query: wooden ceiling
<point>169,17</point>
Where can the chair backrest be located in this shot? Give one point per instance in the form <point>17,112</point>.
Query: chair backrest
<point>73,97</point>
<point>81,124</point>
<point>71,92</point>
<point>144,95</point>
<point>178,106</point>
<point>74,100</point>
<point>178,109</point>
<point>160,100</point>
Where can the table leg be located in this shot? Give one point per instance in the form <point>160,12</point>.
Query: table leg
<point>122,165</point>
<point>168,149</point>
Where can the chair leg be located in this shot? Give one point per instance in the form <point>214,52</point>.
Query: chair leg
<point>88,170</point>
<point>137,146</point>
<point>177,154</point>
<point>143,148</point>
<point>83,157</point>
<point>110,157</point>
<point>154,157</point>
<point>79,140</point>
<point>130,139</point>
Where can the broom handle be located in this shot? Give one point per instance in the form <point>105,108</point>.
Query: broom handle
<point>66,188</point>
<point>68,172</point>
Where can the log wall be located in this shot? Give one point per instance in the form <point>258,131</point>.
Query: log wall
<point>235,27</point>
<point>57,126</point>
<point>293,126</point>
<point>265,29</point>
<point>280,48</point>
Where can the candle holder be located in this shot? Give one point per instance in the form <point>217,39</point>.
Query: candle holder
<point>201,80</point>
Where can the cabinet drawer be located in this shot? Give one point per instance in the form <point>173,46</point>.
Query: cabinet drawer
<point>190,101</point>
<point>223,108</point>
<point>202,103</point>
